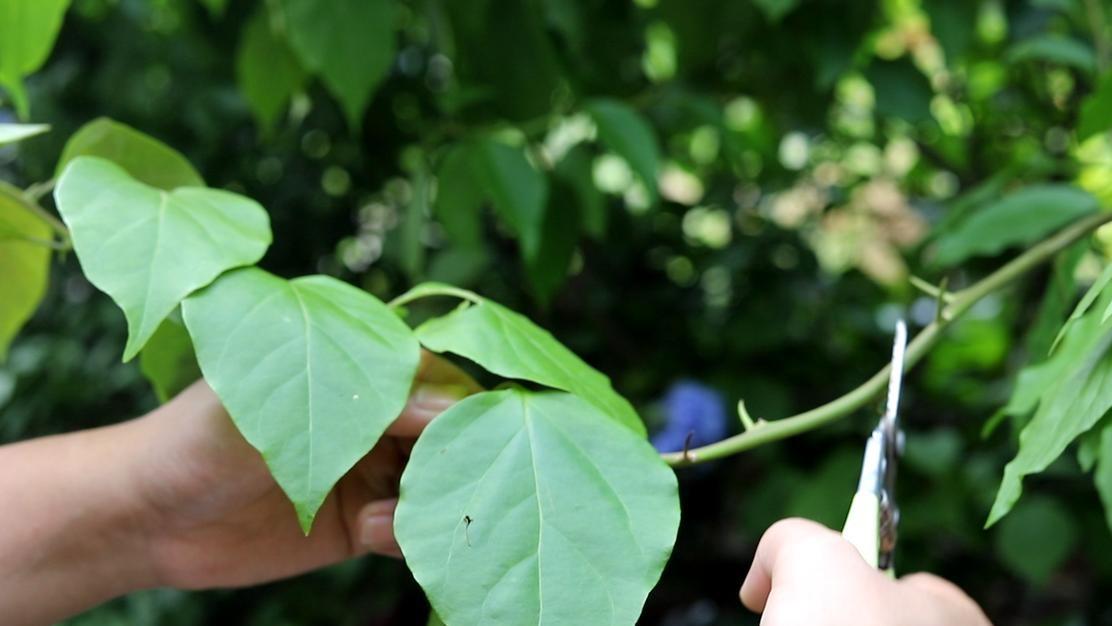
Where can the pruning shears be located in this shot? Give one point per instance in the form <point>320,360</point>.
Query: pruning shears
<point>874,516</point>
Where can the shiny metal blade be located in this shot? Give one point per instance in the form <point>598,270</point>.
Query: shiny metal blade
<point>895,376</point>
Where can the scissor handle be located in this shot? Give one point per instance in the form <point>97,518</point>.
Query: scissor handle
<point>862,527</point>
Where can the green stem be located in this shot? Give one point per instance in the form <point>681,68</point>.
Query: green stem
<point>33,207</point>
<point>919,346</point>
<point>428,290</point>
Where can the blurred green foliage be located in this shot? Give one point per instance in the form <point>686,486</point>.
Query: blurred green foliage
<point>735,192</point>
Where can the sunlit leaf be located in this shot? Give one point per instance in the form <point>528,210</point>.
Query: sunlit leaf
<point>312,371</point>
<point>146,159</point>
<point>27,33</point>
<point>1018,219</point>
<point>349,43</point>
<point>267,71</point>
<point>24,264</point>
<point>509,344</point>
<point>622,130</point>
<point>1072,389</point>
<point>148,248</point>
<point>11,133</point>
<point>531,508</point>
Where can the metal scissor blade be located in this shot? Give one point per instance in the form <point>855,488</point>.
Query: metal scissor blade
<point>895,375</point>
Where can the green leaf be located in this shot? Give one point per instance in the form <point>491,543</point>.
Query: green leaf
<point>1073,390</point>
<point>623,131</point>
<point>549,267</point>
<point>145,158</point>
<point>216,7</point>
<point>312,371</point>
<point>1086,302</point>
<point>1043,522</point>
<point>1055,49</point>
<point>574,170</point>
<point>1103,476</point>
<point>1096,110</point>
<point>148,248</point>
<point>510,345</point>
<point>954,25</point>
<point>24,264</point>
<point>531,508</point>
<point>11,133</point>
<point>517,191</point>
<point>348,43</point>
<point>1060,292</point>
<point>901,90</point>
<point>487,170</point>
<point>775,10</point>
<point>27,34</point>
<point>459,197</point>
<point>168,361</point>
<point>1020,218</point>
<point>267,71</point>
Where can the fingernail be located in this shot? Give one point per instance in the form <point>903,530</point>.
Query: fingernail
<point>376,525</point>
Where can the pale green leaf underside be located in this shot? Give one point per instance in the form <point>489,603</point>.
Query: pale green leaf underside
<point>1019,219</point>
<point>1085,303</point>
<point>509,344</point>
<point>147,248</point>
<point>24,265</point>
<point>1073,390</point>
<point>349,43</point>
<point>312,371</point>
<point>11,133</point>
<point>147,160</point>
<point>627,134</point>
<point>572,517</point>
<point>167,361</point>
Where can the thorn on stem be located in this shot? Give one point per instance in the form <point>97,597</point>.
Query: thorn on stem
<point>746,419</point>
<point>687,456</point>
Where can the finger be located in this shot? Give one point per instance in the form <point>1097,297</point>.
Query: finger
<point>426,402</point>
<point>946,601</point>
<point>769,557</point>
<point>437,369</point>
<point>376,528</point>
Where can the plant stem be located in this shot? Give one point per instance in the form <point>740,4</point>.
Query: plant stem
<point>922,343</point>
<point>33,207</point>
<point>428,290</point>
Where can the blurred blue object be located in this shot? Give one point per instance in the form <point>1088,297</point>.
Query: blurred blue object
<point>691,409</point>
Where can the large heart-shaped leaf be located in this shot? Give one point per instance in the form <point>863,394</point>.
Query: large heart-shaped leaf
<point>521,507</point>
<point>147,160</point>
<point>24,264</point>
<point>312,371</point>
<point>509,344</point>
<point>349,43</point>
<point>148,248</point>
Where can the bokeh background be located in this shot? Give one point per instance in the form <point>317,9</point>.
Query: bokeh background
<point>810,152</point>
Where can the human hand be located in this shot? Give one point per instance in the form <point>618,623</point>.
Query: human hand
<point>807,574</point>
<point>214,517</point>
